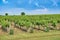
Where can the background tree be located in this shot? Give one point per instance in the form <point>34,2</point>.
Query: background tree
<point>22,13</point>
<point>6,14</point>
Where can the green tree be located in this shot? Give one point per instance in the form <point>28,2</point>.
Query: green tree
<point>6,14</point>
<point>22,13</point>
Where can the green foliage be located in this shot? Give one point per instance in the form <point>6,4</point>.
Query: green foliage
<point>6,14</point>
<point>4,28</point>
<point>21,23</point>
<point>31,30</point>
<point>38,23</point>
<point>29,20</point>
<point>28,24</point>
<point>5,25</point>
<point>54,24</point>
<point>50,21</point>
<point>47,29</point>
<point>58,21</point>
<point>22,13</point>
<point>11,32</point>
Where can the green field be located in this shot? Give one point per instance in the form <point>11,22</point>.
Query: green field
<point>53,35</point>
<point>30,27</point>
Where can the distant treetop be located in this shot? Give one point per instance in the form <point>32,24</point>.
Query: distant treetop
<point>22,13</point>
<point>6,14</point>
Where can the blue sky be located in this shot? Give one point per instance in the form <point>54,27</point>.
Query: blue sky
<point>29,6</point>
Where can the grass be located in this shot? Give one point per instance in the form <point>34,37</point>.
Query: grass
<point>37,35</point>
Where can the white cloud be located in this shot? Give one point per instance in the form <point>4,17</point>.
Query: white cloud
<point>41,10</point>
<point>5,1</point>
<point>37,11</point>
<point>17,11</point>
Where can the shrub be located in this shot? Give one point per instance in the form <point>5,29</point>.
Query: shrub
<point>54,24</point>
<point>30,30</point>
<point>5,25</point>
<point>47,29</point>
<point>38,23</point>
<point>58,21</point>
<point>4,28</point>
<point>11,32</point>
<point>50,21</point>
<point>28,24</point>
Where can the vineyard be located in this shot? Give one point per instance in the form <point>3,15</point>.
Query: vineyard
<point>29,23</point>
